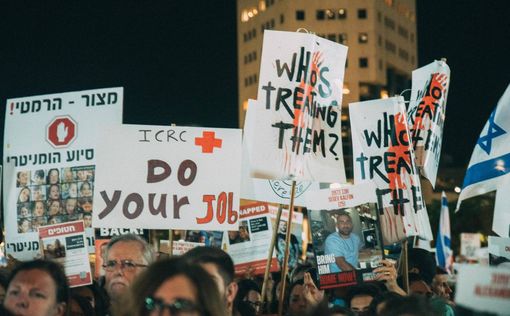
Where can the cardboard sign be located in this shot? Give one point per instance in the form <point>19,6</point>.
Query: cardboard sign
<point>293,132</point>
<point>484,289</point>
<point>383,154</point>
<point>469,244</point>
<point>65,243</point>
<point>426,115</point>
<point>346,245</point>
<point>249,245</point>
<point>160,177</point>
<point>499,251</point>
<point>49,162</point>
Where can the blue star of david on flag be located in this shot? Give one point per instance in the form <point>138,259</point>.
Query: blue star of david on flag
<point>494,130</point>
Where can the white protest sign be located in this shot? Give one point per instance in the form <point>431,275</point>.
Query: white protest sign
<point>160,177</point>
<point>484,289</point>
<point>65,243</point>
<point>499,251</point>
<point>426,115</point>
<point>293,131</point>
<point>469,244</point>
<point>49,162</point>
<point>383,154</point>
<point>249,246</point>
<point>342,196</point>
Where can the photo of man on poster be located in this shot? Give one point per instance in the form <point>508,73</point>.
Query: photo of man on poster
<point>343,244</point>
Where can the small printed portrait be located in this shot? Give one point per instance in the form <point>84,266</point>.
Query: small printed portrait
<point>85,204</point>
<point>67,175</point>
<point>38,209</point>
<point>85,189</point>
<point>24,195</point>
<point>82,175</point>
<point>69,190</point>
<point>38,193</point>
<point>38,177</point>
<point>24,210</point>
<point>55,220</point>
<point>54,207</point>
<point>39,221</point>
<point>22,178</point>
<point>53,176</point>
<point>24,225</point>
<point>71,206</point>
<point>53,192</point>
<point>87,220</point>
<point>54,249</point>
<point>241,235</point>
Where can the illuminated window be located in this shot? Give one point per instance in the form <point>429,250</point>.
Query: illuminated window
<point>342,13</point>
<point>362,13</point>
<point>330,14</point>
<point>300,15</point>
<point>342,38</point>
<point>363,38</point>
<point>320,15</point>
<point>363,62</point>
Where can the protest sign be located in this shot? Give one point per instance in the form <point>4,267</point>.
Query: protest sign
<point>160,177</point>
<point>469,244</point>
<point>65,243</point>
<point>499,251</point>
<point>249,245</point>
<point>293,130</point>
<point>49,162</point>
<point>346,244</point>
<point>206,238</point>
<point>426,115</point>
<point>383,154</point>
<point>484,289</point>
<point>180,247</point>
<point>100,248</point>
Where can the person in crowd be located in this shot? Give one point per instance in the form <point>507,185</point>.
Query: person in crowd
<point>379,302</point>
<point>408,306</point>
<point>24,195</point>
<point>248,298</point>
<point>173,287</point>
<point>80,306</point>
<point>37,288</point>
<point>304,296</point>
<point>53,176</point>
<point>422,262</point>
<point>22,178</point>
<point>126,257</point>
<point>343,244</point>
<point>360,296</point>
<point>440,285</point>
<point>221,267</point>
<point>280,247</point>
<point>94,295</point>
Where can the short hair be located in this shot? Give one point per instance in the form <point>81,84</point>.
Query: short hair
<point>424,261</point>
<point>53,269</point>
<point>408,305</point>
<point>381,298</point>
<point>216,256</point>
<point>244,287</point>
<point>147,252</point>
<point>362,289</point>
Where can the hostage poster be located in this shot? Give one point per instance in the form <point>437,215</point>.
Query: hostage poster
<point>49,162</point>
<point>383,153</point>
<point>426,115</point>
<point>168,177</point>
<point>293,130</point>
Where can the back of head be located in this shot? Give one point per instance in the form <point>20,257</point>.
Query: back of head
<point>408,306</point>
<point>422,262</point>
<point>367,289</point>
<point>150,280</point>
<point>216,256</point>
<point>147,252</point>
<point>53,269</point>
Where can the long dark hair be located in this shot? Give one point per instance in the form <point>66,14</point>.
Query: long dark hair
<point>148,282</point>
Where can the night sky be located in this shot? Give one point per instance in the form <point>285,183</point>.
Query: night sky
<point>177,62</point>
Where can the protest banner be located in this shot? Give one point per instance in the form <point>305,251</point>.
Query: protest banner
<point>206,238</point>
<point>345,208</point>
<point>383,154</point>
<point>483,289</point>
<point>161,177</point>
<point>293,131</point>
<point>249,245</point>
<point>426,115</point>
<point>179,247</point>
<point>49,162</point>
<point>65,243</point>
<point>499,251</point>
<point>469,244</point>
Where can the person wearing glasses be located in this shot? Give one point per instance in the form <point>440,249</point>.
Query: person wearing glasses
<point>126,257</point>
<point>173,287</point>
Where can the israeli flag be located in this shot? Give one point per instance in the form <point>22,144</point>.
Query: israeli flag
<point>444,255</point>
<point>490,161</point>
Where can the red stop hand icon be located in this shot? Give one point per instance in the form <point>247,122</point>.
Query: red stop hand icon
<point>61,132</point>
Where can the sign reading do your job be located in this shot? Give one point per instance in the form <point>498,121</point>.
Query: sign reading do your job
<point>159,177</point>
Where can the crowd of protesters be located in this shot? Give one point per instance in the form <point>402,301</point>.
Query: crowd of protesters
<point>202,282</point>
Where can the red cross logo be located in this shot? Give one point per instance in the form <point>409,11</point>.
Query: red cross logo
<point>208,142</point>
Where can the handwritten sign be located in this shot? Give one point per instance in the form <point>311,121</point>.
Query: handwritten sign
<point>426,115</point>
<point>159,177</point>
<point>342,196</point>
<point>383,153</point>
<point>49,162</point>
